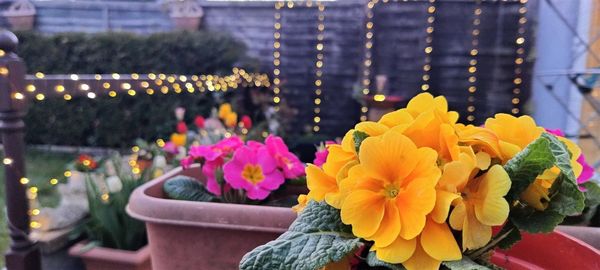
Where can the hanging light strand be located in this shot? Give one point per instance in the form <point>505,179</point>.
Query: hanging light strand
<point>472,79</point>
<point>519,57</point>
<point>428,45</point>
<point>367,61</point>
<point>277,55</point>
<point>319,64</point>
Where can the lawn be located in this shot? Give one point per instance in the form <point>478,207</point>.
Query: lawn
<point>41,166</point>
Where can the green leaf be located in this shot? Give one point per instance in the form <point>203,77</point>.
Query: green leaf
<point>316,238</point>
<point>464,264</point>
<point>512,235</point>
<point>533,221</point>
<point>592,193</point>
<point>374,262</point>
<point>187,189</point>
<point>527,165</point>
<point>359,137</point>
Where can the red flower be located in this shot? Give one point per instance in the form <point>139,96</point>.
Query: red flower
<point>182,127</point>
<point>87,162</point>
<point>199,121</point>
<point>246,122</point>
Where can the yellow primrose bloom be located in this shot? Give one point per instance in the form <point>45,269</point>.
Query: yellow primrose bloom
<point>178,139</point>
<point>332,186</point>
<point>231,119</point>
<point>388,203</point>
<point>302,202</point>
<point>514,133</point>
<point>224,110</point>
<point>480,138</point>
<point>481,207</point>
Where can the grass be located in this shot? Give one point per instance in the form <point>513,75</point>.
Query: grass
<point>41,166</point>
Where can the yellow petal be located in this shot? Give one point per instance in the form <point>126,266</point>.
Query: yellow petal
<point>420,260</point>
<point>348,141</point>
<point>337,159</point>
<point>508,150</point>
<point>381,156</point>
<point>371,128</point>
<point>389,227</point>
<point>415,202</point>
<point>449,149</point>
<point>395,118</point>
<point>439,243</point>
<point>319,183</point>
<point>491,208</point>
<point>455,176</point>
<point>457,217</point>
<point>442,205</point>
<point>397,252</point>
<point>420,103</point>
<point>483,160</point>
<point>475,234</point>
<point>364,210</point>
<point>536,196</point>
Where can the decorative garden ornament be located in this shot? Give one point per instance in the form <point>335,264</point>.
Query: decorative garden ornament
<point>186,14</point>
<point>20,15</point>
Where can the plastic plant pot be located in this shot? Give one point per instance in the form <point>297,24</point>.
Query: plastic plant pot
<point>100,258</point>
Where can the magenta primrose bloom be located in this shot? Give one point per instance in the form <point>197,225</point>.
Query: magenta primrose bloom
<point>216,151</point>
<point>170,148</point>
<point>254,170</point>
<point>288,162</point>
<point>321,154</point>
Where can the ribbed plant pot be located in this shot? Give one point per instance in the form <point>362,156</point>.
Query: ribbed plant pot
<point>17,22</point>
<point>201,235</point>
<point>99,258</point>
<point>555,250</point>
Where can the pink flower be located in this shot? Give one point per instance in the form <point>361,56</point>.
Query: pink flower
<point>288,162</point>
<point>246,122</point>
<point>187,162</point>
<point>170,148</point>
<point>587,172</point>
<point>556,132</point>
<point>181,127</point>
<point>218,150</point>
<point>322,153</point>
<point>254,170</point>
<point>209,169</point>
<point>254,144</point>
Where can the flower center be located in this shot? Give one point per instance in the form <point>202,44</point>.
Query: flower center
<point>253,173</point>
<point>391,191</point>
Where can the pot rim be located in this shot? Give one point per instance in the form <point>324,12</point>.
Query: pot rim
<point>145,205</point>
<point>128,257</point>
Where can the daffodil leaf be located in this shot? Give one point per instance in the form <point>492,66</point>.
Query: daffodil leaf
<point>374,262</point>
<point>527,165</point>
<point>465,264</point>
<point>316,238</point>
<point>359,137</point>
<point>187,189</point>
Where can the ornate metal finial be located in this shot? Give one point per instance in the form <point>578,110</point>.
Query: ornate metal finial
<point>8,41</point>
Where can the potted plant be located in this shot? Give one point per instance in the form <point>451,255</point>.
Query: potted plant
<point>114,240</point>
<point>186,14</point>
<point>20,15</point>
<point>417,190</point>
<point>227,198</point>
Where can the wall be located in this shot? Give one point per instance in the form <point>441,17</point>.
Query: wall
<point>399,42</point>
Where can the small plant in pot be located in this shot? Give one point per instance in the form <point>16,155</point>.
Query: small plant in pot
<point>114,240</point>
<point>417,190</point>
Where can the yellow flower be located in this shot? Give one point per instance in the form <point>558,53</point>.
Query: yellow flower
<point>388,203</point>
<point>231,119</point>
<point>178,139</point>
<point>481,206</point>
<point>434,245</point>
<point>224,110</point>
<point>302,202</point>
<point>479,138</point>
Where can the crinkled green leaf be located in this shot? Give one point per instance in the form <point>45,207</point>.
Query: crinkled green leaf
<point>359,137</point>
<point>527,165</point>
<point>374,262</point>
<point>464,264</point>
<point>187,189</point>
<point>511,235</point>
<point>316,238</point>
<point>592,193</point>
<point>533,221</point>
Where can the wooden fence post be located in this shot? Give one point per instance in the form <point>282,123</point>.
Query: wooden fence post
<point>23,254</point>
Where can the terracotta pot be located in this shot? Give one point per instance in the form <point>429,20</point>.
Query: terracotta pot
<point>548,251</point>
<point>187,23</point>
<point>99,258</point>
<point>200,235</point>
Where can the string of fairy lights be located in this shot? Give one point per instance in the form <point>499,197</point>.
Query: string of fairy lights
<point>474,52</point>
<point>39,86</point>
<point>319,65</point>
<point>429,45</point>
<point>319,61</point>
<point>520,57</point>
<point>368,58</point>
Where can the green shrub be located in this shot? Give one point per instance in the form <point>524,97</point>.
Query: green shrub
<point>117,122</point>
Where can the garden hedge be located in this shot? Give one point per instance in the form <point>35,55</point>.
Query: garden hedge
<point>117,122</point>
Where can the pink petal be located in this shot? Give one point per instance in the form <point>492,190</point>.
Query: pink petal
<point>587,172</point>
<point>256,193</point>
<point>233,174</point>
<point>265,160</point>
<point>211,181</point>
<point>272,181</point>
